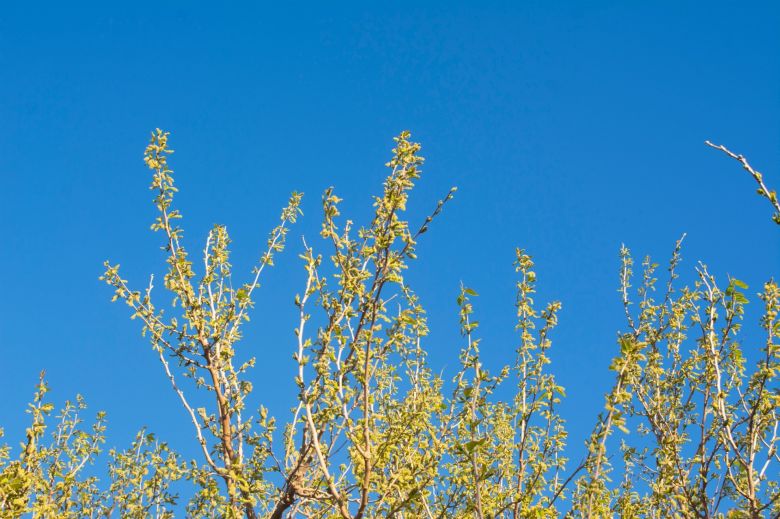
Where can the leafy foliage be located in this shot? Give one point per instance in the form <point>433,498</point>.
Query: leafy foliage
<point>376,433</point>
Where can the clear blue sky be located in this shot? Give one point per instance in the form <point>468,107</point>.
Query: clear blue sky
<point>569,128</point>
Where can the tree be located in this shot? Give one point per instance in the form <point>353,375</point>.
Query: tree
<point>376,433</point>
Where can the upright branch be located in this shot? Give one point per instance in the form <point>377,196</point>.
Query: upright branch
<point>708,423</point>
<point>202,340</point>
<point>48,479</point>
<point>540,435</point>
<point>341,451</point>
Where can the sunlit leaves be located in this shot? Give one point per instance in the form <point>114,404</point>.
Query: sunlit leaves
<point>689,427</point>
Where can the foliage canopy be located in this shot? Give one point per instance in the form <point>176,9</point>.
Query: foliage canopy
<point>376,433</point>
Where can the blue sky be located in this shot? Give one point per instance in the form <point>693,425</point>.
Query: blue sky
<point>569,128</point>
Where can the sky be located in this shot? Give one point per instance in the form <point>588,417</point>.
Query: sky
<point>569,128</point>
